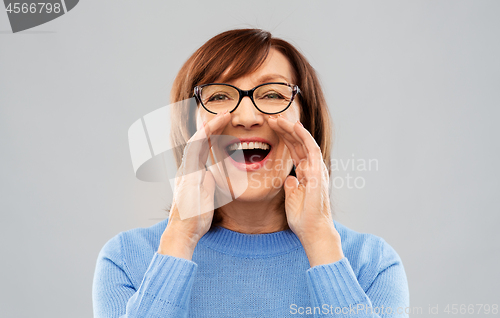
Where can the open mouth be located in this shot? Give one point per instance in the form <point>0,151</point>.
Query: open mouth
<point>253,151</point>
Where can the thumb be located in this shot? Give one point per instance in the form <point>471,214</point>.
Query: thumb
<point>291,183</point>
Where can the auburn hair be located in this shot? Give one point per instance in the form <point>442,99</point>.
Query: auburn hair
<point>235,53</point>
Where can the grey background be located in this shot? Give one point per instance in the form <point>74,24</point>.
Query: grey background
<point>414,85</point>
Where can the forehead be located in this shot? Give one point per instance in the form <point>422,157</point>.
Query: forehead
<point>275,68</point>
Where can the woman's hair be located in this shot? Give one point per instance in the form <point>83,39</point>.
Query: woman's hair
<point>235,53</point>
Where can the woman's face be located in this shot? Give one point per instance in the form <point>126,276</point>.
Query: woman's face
<point>260,176</point>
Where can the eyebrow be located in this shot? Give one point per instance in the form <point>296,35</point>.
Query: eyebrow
<point>272,77</point>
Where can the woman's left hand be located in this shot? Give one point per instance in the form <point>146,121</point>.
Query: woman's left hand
<point>307,200</point>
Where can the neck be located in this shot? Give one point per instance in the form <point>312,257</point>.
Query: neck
<point>255,217</point>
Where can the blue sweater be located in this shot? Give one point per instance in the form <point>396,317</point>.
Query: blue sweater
<point>247,275</point>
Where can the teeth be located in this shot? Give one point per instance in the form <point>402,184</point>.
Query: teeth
<point>249,145</point>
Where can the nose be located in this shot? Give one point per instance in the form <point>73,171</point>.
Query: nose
<point>246,115</point>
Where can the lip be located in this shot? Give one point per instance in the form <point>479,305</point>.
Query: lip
<point>251,166</point>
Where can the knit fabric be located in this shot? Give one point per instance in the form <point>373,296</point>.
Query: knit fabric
<point>247,275</point>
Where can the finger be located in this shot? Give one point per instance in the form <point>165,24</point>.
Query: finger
<point>217,123</point>
<point>296,150</point>
<point>291,183</point>
<point>293,195</point>
<point>274,125</point>
<point>295,157</point>
<point>313,150</point>
<point>292,136</point>
<point>308,143</point>
<point>213,129</point>
<point>197,148</point>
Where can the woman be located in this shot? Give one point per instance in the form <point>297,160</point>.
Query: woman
<point>273,250</point>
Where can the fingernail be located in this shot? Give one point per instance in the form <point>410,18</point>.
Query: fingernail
<point>300,123</point>
<point>204,123</point>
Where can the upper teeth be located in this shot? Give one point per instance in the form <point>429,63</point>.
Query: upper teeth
<point>249,145</point>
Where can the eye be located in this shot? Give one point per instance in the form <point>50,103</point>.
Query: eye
<point>218,97</point>
<point>272,95</point>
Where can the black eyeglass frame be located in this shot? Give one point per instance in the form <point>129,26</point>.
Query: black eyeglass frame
<point>249,93</point>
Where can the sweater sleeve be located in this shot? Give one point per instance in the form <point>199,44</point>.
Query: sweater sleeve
<point>334,287</point>
<point>164,291</point>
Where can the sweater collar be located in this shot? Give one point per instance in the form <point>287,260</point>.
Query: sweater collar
<point>250,245</point>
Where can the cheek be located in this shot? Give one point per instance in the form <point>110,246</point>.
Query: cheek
<point>293,112</point>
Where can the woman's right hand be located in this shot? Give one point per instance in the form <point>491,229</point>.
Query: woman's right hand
<point>193,203</point>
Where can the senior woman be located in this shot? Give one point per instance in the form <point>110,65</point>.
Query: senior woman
<point>273,250</point>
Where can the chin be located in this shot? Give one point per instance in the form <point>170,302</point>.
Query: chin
<point>250,187</point>
<point>257,195</point>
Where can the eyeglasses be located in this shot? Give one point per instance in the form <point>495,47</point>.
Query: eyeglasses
<point>268,98</point>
